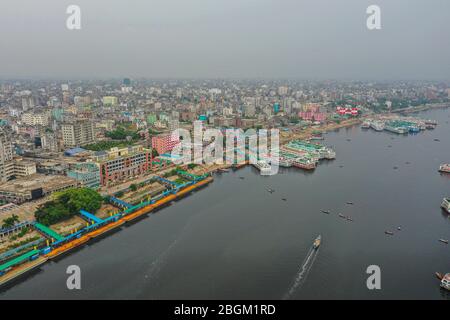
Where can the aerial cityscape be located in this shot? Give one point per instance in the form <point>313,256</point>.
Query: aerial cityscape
<point>210,186</point>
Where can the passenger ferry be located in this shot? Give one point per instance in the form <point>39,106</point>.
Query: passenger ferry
<point>377,126</point>
<point>446,204</point>
<point>304,164</point>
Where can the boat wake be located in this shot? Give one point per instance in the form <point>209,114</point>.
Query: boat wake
<point>302,273</point>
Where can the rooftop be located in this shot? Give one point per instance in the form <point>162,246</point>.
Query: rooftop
<point>36,181</point>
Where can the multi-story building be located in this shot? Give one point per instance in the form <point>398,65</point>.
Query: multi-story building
<point>81,101</point>
<point>151,119</point>
<point>164,143</point>
<point>6,157</point>
<point>249,110</point>
<point>22,168</point>
<point>34,119</point>
<point>120,164</point>
<point>110,100</point>
<point>173,124</point>
<point>78,134</point>
<point>34,187</point>
<point>88,173</point>
<point>49,142</point>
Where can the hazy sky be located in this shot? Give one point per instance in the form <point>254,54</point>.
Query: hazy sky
<point>305,39</point>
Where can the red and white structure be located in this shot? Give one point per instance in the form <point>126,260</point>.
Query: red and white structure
<point>164,143</point>
<point>347,111</point>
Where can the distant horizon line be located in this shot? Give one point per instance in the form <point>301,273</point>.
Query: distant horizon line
<point>142,78</point>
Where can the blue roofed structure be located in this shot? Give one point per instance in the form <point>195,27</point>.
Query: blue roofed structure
<point>74,151</point>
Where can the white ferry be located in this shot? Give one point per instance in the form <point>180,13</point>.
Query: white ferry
<point>446,204</point>
<point>263,167</point>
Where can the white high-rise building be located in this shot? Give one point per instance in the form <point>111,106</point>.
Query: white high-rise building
<point>78,134</point>
<point>283,90</point>
<point>27,103</point>
<point>6,157</point>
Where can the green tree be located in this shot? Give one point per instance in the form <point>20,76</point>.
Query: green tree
<point>10,222</point>
<point>68,203</point>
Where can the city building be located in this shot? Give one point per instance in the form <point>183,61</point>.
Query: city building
<point>6,157</point>
<point>34,119</point>
<point>34,187</point>
<point>23,168</point>
<point>164,143</point>
<point>78,133</point>
<point>49,142</point>
<point>87,173</point>
<point>110,101</point>
<point>120,164</point>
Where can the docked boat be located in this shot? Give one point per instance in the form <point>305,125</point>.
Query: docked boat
<point>263,167</point>
<point>365,125</point>
<point>446,205</point>
<point>304,164</point>
<point>445,280</point>
<point>377,126</point>
<point>316,243</point>
<point>445,167</point>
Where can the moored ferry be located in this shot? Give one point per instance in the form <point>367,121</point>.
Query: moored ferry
<point>365,125</point>
<point>377,126</point>
<point>446,204</point>
<point>304,164</point>
<point>263,167</point>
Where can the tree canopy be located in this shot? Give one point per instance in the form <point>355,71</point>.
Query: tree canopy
<point>68,203</point>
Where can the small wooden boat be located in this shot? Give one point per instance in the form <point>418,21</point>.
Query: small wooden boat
<point>325,211</point>
<point>342,216</point>
<point>389,233</point>
<point>349,202</point>
<point>443,241</point>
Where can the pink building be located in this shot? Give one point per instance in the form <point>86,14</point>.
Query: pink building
<point>164,143</point>
<point>312,116</point>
